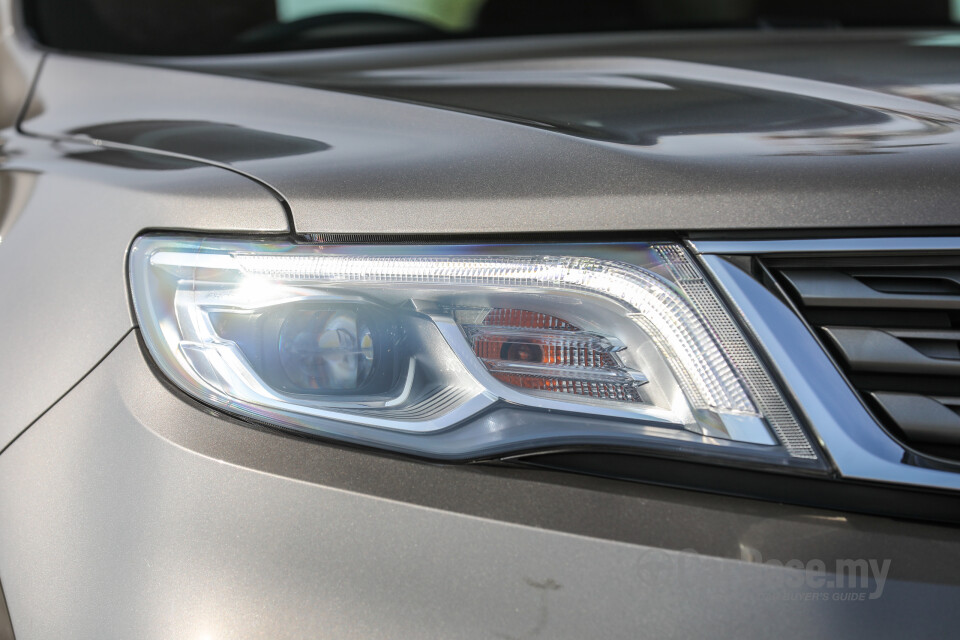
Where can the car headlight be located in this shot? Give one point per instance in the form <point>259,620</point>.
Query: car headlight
<point>462,352</point>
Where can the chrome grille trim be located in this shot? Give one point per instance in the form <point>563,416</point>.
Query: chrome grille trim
<point>824,245</point>
<point>854,440</point>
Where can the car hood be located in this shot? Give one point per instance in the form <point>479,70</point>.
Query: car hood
<point>749,131</point>
<point>681,109</point>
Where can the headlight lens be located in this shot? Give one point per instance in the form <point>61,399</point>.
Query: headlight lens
<point>461,352</point>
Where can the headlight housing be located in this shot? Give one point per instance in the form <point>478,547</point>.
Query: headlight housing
<point>462,352</point>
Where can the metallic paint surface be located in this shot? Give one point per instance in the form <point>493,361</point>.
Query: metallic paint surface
<point>153,519</point>
<point>799,145</point>
<point>64,292</point>
<point>18,63</point>
<point>127,511</point>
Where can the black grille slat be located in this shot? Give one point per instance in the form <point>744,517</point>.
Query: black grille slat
<point>834,288</point>
<point>866,317</point>
<point>911,281</point>
<point>895,330</point>
<point>882,351</point>
<point>922,418</point>
<point>898,382</point>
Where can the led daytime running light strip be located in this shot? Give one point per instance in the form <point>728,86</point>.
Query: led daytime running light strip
<point>706,376</point>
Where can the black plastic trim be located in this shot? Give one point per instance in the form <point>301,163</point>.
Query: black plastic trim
<point>900,502</point>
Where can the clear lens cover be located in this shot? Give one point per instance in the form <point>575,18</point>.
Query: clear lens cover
<point>460,352</point>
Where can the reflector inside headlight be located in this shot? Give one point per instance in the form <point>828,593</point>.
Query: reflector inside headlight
<point>461,352</point>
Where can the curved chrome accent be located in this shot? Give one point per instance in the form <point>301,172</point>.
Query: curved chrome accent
<point>858,445</point>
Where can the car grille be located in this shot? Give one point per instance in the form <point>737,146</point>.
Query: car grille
<point>893,325</point>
